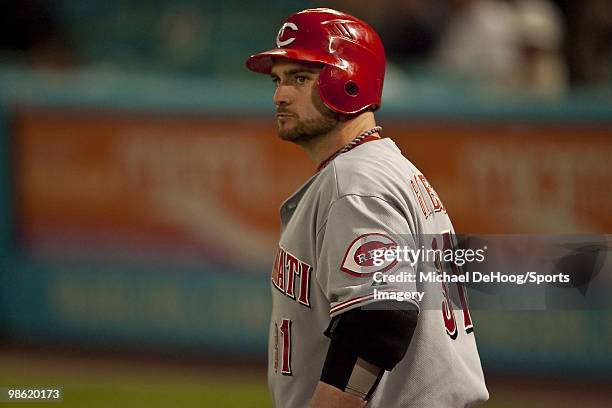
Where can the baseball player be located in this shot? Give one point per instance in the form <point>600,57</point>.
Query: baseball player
<point>334,341</point>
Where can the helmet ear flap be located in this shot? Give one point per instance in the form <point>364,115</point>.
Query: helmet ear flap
<point>333,86</point>
<point>344,90</point>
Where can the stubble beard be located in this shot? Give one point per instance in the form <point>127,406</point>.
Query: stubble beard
<point>309,129</point>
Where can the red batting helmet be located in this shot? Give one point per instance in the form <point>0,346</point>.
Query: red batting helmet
<point>351,52</point>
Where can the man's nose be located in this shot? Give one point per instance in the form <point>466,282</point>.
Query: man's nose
<point>281,95</point>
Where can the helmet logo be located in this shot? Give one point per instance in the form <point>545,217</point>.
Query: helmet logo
<point>281,43</point>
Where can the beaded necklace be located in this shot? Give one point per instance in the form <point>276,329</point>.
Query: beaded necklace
<point>362,138</point>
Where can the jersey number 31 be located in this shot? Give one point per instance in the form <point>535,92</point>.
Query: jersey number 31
<point>447,305</point>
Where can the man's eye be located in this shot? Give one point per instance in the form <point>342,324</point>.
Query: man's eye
<point>300,79</point>
<point>276,81</point>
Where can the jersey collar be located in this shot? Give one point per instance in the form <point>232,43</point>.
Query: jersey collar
<point>344,149</point>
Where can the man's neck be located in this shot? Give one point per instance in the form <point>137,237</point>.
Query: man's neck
<point>323,147</point>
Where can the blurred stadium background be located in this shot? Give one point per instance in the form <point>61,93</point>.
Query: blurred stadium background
<point>140,177</point>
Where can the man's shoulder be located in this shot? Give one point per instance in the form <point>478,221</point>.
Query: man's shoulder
<point>373,168</point>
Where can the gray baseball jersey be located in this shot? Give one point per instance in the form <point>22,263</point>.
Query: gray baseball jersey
<point>366,199</point>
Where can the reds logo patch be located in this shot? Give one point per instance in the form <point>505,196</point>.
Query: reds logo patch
<point>359,257</point>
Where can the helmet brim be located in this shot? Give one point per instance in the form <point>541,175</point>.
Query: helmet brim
<point>262,63</point>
